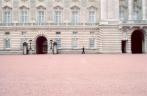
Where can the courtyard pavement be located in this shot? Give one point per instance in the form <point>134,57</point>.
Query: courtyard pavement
<point>73,75</point>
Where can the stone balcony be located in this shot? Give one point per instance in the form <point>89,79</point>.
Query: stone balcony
<point>134,22</point>
<point>48,25</point>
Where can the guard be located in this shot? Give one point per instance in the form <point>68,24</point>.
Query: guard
<point>83,50</point>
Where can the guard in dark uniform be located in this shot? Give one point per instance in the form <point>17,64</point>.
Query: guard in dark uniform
<point>83,50</point>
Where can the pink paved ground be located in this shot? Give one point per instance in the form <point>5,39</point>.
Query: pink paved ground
<point>73,75</point>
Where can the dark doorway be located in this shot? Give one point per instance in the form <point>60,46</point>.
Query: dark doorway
<point>124,45</point>
<point>137,40</point>
<point>41,45</point>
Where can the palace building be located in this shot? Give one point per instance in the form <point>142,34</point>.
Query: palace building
<point>69,26</point>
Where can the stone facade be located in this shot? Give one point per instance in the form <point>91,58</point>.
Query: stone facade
<point>100,26</point>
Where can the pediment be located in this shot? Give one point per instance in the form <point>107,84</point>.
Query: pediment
<point>41,6</point>
<point>75,7</point>
<point>23,7</point>
<point>7,7</point>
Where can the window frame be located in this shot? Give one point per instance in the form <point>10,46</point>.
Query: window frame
<point>6,43</point>
<point>25,17</point>
<point>7,19</point>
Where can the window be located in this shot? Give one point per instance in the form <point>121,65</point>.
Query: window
<point>58,15</point>
<point>137,9</point>
<point>75,15</point>
<point>58,39</point>
<point>24,16</point>
<point>40,17</point>
<point>74,40</point>
<point>92,14</point>
<point>7,43</point>
<point>92,17</point>
<point>123,10</point>
<point>74,43</point>
<point>7,16</point>
<point>92,42</point>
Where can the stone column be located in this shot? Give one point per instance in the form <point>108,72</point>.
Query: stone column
<point>144,7</point>
<point>103,9</point>
<point>130,9</point>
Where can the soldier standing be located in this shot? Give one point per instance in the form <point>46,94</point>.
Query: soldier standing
<point>83,50</point>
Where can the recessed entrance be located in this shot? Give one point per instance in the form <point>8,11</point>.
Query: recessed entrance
<point>137,41</point>
<point>41,45</point>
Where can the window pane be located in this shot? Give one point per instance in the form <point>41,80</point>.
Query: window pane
<point>58,17</point>
<point>75,17</point>
<point>40,17</point>
<point>7,43</point>
<point>24,16</point>
<point>74,42</point>
<point>92,42</point>
<point>58,40</point>
<point>92,16</point>
<point>7,16</point>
